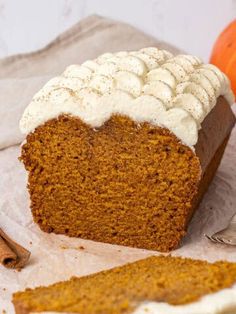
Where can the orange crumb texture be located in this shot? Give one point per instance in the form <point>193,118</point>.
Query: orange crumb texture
<point>121,290</point>
<point>125,183</point>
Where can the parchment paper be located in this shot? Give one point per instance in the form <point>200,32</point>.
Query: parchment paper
<point>56,257</point>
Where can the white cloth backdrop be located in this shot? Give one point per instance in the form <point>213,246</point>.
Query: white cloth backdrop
<point>56,257</point>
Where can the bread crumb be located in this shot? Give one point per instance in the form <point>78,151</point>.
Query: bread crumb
<point>63,247</point>
<point>81,247</point>
<point>163,197</point>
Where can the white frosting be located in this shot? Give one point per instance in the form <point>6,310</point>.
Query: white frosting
<point>146,85</point>
<point>222,302</point>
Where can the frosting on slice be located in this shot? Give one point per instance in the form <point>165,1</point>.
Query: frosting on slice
<point>184,62</point>
<point>160,55</point>
<point>191,104</point>
<point>160,90</point>
<point>177,70</point>
<point>195,61</point>
<point>162,75</point>
<point>167,54</point>
<point>181,124</point>
<point>102,83</point>
<point>150,61</point>
<point>107,69</point>
<point>132,64</point>
<point>196,90</point>
<point>149,108</point>
<point>224,82</point>
<point>129,82</point>
<point>78,71</point>
<point>203,81</point>
<point>73,83</point>
<point>212,77</point>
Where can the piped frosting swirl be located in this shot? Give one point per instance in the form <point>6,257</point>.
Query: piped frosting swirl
<point>149,85</point>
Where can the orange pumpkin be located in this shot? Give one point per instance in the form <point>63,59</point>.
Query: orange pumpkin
<point>224,53</point>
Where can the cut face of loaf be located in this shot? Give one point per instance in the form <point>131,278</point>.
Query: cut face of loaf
<point>122,183</point>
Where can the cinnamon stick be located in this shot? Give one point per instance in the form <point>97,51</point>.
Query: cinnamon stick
<point>12,254</point>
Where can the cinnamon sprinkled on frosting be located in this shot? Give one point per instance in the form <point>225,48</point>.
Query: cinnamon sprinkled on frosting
<point>147,85</point>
